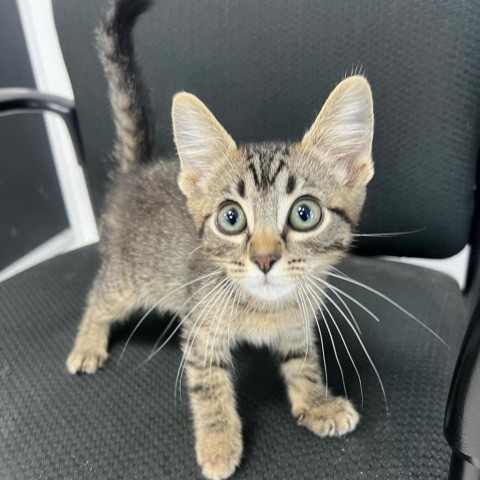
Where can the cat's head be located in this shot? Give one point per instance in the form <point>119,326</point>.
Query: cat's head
<point>273,213</point>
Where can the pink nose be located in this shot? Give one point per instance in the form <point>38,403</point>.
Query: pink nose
<point>265,261</point>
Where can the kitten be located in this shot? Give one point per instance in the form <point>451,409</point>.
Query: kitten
<point>229,238</point>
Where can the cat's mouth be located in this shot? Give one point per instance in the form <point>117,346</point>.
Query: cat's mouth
<point>269,289</point>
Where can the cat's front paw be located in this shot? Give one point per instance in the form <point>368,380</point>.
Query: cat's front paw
<point>219,454</point>
<point>86,360</point>
<point>333,417</point>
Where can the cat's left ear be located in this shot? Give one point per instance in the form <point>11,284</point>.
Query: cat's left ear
<point>200,139</point>
<point>343,131</point>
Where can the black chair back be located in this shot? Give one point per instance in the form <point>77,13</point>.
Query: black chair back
<point>266,67</point>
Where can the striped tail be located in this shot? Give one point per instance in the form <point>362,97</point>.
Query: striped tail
<point>128,99</point>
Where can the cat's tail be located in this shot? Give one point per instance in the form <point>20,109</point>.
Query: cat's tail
<point>128,99</point>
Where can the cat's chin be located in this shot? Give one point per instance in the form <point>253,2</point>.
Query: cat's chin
<point>269,291</point>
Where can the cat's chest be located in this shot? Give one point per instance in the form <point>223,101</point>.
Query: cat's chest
<point>267,329</point>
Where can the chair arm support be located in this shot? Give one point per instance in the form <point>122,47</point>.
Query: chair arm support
<point>22,100</point>
<point>462,418</point>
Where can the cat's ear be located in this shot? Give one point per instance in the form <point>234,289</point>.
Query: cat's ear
<point>200,139</point>
<point>343,130</point>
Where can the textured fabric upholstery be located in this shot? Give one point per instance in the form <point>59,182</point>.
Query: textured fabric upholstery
<point>122,423</point>
<point>266,67</point>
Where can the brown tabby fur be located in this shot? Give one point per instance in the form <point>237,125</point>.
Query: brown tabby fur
<point>161,242</point>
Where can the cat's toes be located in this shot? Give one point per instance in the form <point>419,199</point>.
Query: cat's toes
<point>219,454</point>
<point>334,417</point>
<point>86,360</point>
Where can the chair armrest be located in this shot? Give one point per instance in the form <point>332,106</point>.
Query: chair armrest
<point>472,288</point>
<point>22,100</point>
<point>462,417</point>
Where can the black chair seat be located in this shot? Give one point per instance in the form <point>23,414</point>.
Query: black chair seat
<point>122,423</point>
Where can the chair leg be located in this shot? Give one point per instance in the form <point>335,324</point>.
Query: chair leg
<point>462,469</point>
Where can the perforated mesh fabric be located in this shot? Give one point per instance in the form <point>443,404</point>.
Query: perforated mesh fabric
<point>122,422</point>
<point>266,67</point>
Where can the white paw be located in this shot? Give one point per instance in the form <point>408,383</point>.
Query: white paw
<point>219,454</point>
<point>87,360</point>
<point>334,417</point>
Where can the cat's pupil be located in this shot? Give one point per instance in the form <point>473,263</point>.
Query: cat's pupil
<point>304,212</point>
<point>231,216</point>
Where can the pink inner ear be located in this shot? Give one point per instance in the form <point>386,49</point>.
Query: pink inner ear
<point>360,171</point>
<point>191,177</point>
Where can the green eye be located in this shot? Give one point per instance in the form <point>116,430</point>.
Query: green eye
<point>231,219</point>
<point>305,214</point>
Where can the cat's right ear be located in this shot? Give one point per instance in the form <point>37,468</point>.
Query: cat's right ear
<point>200,139</point>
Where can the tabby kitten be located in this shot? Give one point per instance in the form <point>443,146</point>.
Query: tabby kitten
<point>228,238</point>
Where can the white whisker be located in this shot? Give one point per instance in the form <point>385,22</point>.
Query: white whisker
<point>305,321</point>
<point>346,295</point>
<point>214,299</point>
<point>234,305</point>
<point>178,326</point>
<point>322,345</point>
<point>177,314</point>
<point>150,310</point>
<point>342,301</point>
<point>345,345</point>
<point>333,342</point>
<point>193,251</point>
<point>201,318</point>
<point>388,299</point>
<point>389,234</point>
<point>228,296</point>
<point>364,350</point>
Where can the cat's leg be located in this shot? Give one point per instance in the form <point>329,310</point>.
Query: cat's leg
<point>312,404</point>
<point>110,299</point>
<point>218,429</point>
